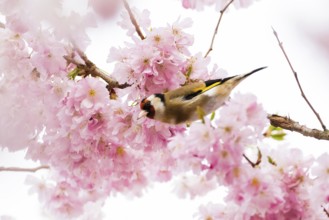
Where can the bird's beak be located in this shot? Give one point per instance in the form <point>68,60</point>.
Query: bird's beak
<point>142,114</point>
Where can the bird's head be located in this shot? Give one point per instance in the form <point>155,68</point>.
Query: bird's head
<point>152,106</point>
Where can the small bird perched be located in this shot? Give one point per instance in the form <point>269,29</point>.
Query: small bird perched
<point>182,104</point>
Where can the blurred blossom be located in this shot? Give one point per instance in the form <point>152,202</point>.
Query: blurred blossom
<point>199,4</point>
<point>142,19</point>
<point>105,8</point>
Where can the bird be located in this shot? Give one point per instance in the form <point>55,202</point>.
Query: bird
<point>183,105</point>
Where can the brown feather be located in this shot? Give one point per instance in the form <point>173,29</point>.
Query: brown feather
<point>180,92</point>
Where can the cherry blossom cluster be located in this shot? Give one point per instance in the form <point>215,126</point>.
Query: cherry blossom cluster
<point>95,144</point>
<point>160,62</point>
<point>278,187</point>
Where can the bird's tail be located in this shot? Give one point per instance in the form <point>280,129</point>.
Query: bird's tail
<point>255,70</point>
<point>231,82</point>
<point>235,80</point>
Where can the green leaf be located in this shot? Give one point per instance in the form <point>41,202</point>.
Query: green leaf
<point>71,75</point>
<point>278,137</point>
<point>276,133</point>
<point>271,161</point>
<point>212,116</point>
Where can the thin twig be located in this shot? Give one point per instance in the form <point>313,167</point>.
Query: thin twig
<point>291,125</point>
<point>89,68</point>
<point>259,159</point>
<point>217,25</point>
<point>297,80</point>
<point>325,211</point>
<point>249,161</point>
<point>20,169</point>
<point>133,20</point>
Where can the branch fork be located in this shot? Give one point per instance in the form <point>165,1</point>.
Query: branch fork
<point>89,68</point>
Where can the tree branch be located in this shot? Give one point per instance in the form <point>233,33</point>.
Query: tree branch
<point>19,169</point>
<point>217,25</point>
<point>133,20</point>
<point>297,80</point>
<point>89,68</point>
<point>291,125</point>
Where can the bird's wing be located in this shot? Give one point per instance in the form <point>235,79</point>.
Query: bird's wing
<point>185,91</point>
<point>194,89</point>
<point>215,82</point>
<point>207,85</point>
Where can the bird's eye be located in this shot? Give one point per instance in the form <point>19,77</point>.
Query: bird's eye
<point>147,105</point>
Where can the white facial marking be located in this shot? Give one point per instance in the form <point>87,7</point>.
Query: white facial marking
<point>157,104</point>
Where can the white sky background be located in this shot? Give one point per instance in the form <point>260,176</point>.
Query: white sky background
<point>244,42</point>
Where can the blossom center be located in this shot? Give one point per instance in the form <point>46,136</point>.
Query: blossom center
<point>157,38</point>
<point>255,182</point>
<point>120,151</point>
<point>92,92</point>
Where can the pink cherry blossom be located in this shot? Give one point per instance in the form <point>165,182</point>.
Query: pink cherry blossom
<point>142,18</point>
<point>182,39</point>
<point>321,170</point>
<point>193,186</point>
<point>48,54</point>
<point>89,93</point>
<point>196,67</point>
<point>216,211</point>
